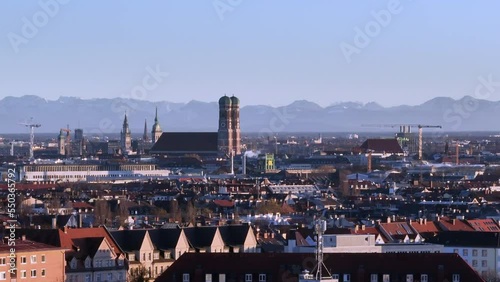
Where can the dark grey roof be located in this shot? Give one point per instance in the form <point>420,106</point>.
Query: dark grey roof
<point>46,236</point>
<point>234,235</point>
<point>165,239</point>
<point>467,239</point>
<point>129,240</point>
<point>200,237</point>
<point>186,142</point>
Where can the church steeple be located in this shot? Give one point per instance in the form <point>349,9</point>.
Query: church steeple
<point>156,130</point>
<point>145,136</point>
<point>126,138</point>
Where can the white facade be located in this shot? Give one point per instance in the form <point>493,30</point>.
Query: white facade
<point>88,173</point>
<point>339,244</point>
<point>484,260</point>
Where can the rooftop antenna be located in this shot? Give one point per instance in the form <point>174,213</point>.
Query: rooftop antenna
<point>320,268</point>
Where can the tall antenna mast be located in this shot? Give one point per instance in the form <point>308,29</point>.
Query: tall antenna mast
<point>32,127</point>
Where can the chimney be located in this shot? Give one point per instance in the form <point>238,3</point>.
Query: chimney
<point>410,222</point>
<point>265,235</point>
<point>453,221</point>
<point>421,221</point>
<point>425,221</point>
<point>272,235</point>
<point>388,219</point>
<point>80,224</point>
<point>356,228</point>
<point>23,238</point>
<point>65,229</point>
<point>363,227</point>
<point>54,222</point>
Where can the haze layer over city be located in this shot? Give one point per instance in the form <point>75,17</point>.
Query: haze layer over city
<point>233,140</point>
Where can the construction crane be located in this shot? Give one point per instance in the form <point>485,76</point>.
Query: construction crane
<point>32,127</point>
<point>401,125</point>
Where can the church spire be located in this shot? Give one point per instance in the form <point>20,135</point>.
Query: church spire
<point>145,135</point>
<point>156,115</point>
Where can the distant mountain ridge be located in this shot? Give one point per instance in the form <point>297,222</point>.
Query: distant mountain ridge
<point>102,116</point>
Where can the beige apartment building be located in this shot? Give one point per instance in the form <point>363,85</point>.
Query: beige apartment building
<point>33,261</point>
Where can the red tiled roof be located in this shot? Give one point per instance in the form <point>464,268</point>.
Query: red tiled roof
<point>366,231</point>
<point>487,225</point>
<point>96,232</point>
<point>425,226</point>
<point>448,224</point>
<point>224,203</point>
<point>397,228</point>
<point>26,245</point>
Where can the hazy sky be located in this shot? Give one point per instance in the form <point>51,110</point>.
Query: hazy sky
<point>265,52</point>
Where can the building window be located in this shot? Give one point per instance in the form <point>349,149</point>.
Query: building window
<point>347,277</point>
<point>424,278</point>
<point>33,259</point>
<point>474,253</point>
<point>23,260</point>
<point>98,277</point>
<point>248,277</point>
<point>208,277</point>
<point>3,275</point>
<point>185,277</point>
<point>484,263</point>
<point>2,261</point>
<point>386,278</point>
<point>43,258</point>
<point>87,277</point>
<point>484,253</point>
<point>33,273</point>
<point>23,273</point>
<point>474,263</point>
<point>149,256</point>
<point>43,272</point>
<point>110,276</point>
<point>374,278</point>
<point>409,277</point>
<point>465,252</point>
<point>455,278</point>
<point>262,278</point>
<point>222,277</point>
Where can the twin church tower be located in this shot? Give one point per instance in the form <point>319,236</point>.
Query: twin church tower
<point>228,135</point>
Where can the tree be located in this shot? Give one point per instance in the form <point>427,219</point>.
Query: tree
<point>491,276</point>
<point>139,274</point>
<point>102,212</point>
<point>190,215</point>
<point>122,212</point>
<point>174,211</point>
<point>268,207</point>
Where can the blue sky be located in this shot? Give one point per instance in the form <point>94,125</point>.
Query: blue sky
<point>265,52</point>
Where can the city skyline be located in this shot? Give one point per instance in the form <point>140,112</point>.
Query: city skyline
<point>276,52</point>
